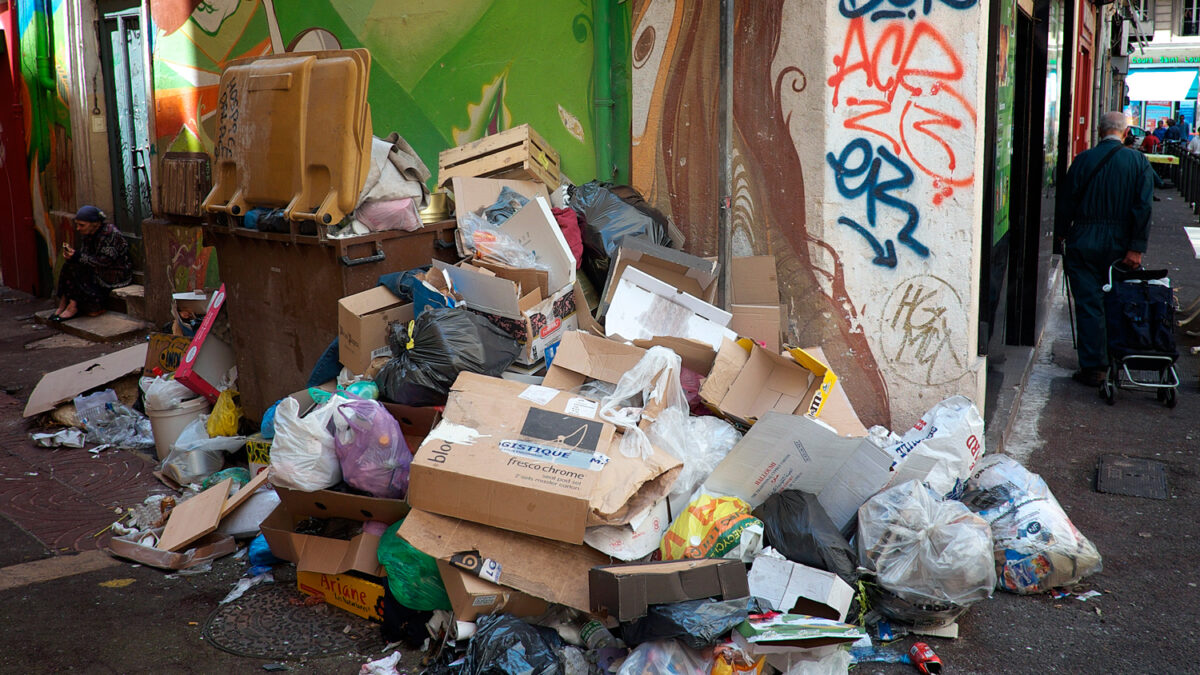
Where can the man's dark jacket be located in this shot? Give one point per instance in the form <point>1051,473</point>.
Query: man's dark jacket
<point>1120,195</point>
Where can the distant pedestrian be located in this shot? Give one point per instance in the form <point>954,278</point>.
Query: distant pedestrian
<point>1151,143</point>
<point>1102,216</point>
<point>1175,132</point>
<point>1160,130</point>
<point>1193,146</point>
<point>97,263</point>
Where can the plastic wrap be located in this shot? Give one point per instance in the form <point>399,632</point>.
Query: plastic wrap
<point>655,380</point>
<point>164,393</point>
<point>925,550</point>
<point>713,527</point>
<point>390,214</point>
<point>796,525</point>
<point>195,456</point>
<point>696,623</point>
<point>500,247</point>
<point>412,576</point>
<point>709,439</point>
<point>505,645</point>
<point>1036,546</point>
<point>371,449</point>
<point>445,342</point>
<point>664,657</point>
<point>302,454</point>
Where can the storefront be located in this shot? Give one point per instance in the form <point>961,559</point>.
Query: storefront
<point>1162,86</point>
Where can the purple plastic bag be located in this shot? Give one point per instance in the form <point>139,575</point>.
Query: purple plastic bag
<point>371,449</point>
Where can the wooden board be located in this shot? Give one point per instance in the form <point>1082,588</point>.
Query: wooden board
<point>195,518</point>
<point>243,494</point>
<point>65,384</point>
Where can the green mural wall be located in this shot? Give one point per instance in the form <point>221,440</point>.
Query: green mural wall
<point>443,72</point>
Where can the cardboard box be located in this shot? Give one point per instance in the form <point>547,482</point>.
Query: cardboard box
<point>550,570</point>
<point>531,459</point>
<point>363,320</point>
<point>625,591</point>
<point>797,452</point>
<point>140,547</point>
<point>472,596</point>
<point>207,358</point>
<point>643,307</point>
<point>164,352</point>
<point>473,194</point>
<point>583,358</point>
<point>415,422</point>
<point>697,357</point>
<point>356,595</point>
<point>743,390</point>
<point>687,273</point>
<point>793,588</point>
<point>314,553</point>
<point>754,299</point>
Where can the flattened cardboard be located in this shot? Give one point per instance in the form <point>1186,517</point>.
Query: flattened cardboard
<point>529,466</point>
<point>207,358</point>
<point>65,384</point>
<point>793,588</point>
<point>582,358</point>
<point>313,553</point>
<point>731,358</point>
<point>551,570</point>
<point>797,452</point>
<point>644,307</point>
<point>363,319</point>
<point>209,547</point>
<point>164,352</point>
<point>761,323</point>
<point>195,518</point>
<point>695,276</point>
<point>472,596</point>
<point>346,591</point>
<point>753,281</point>
<point>625,591</point>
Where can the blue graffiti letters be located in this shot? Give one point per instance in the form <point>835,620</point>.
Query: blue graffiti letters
<point>857,161</point>
<point>881,10</point>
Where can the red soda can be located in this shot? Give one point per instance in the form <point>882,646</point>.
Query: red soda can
<point>924,659</point>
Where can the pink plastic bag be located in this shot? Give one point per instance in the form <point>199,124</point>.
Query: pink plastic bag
<point>371,449</point>
<point>393,214</point>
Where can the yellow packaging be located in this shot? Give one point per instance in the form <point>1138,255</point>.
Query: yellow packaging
<point>355,595</point>
<point>708,528</point>
<point>225,415</point>
<point>258,453</point>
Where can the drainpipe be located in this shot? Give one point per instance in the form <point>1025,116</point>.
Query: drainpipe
<point>44,86</point>
<point>603,102</point>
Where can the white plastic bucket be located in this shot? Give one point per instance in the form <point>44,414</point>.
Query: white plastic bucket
<point>168,424</point>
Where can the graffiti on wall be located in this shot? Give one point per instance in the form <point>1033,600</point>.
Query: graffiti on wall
<point>464,68</point>
<point>897,82</point>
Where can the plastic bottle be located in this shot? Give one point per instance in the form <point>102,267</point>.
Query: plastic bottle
<point>596,636</point>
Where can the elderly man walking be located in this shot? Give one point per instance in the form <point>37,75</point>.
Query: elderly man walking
<point>1102,216</point>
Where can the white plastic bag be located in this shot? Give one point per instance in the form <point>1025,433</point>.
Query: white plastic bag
<point>164,393</point>
<point>302,454</point>
<point>664,657</point>
<point>942,447</point>
<point>1037,547</point>
<point>246,520</point>
<point>926,550</point>
<point>195,456</point>
<point>708,439</point>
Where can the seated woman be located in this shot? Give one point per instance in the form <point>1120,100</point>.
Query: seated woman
<point>98,263</point>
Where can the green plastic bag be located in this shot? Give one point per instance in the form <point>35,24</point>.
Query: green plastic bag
<point>413,577</point>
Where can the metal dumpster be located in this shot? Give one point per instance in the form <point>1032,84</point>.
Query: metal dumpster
<point>283,291</point>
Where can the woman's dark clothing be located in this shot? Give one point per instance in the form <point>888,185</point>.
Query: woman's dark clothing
<point>100,264</point>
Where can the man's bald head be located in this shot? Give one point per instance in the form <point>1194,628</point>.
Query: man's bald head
<point>1113,123</point>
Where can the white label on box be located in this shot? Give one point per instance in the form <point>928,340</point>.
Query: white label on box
<point>539,394</point>
<point>382,351</point>
<point>582,407</point>
<point>490,570</point>
<point>483,601</point>
<point>599,461</point>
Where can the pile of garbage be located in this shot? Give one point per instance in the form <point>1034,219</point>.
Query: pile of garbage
<point>557,455</point>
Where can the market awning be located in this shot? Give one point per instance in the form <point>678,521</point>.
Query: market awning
<point>1162,84</point>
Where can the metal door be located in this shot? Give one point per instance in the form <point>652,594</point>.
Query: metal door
<point>128,123</point>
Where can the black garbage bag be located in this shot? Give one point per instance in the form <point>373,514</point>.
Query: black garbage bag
<point>505,645</point>
<point>445,341</point>
<point>696,623</point>
<point>605,220</point>
<point>796,525</point>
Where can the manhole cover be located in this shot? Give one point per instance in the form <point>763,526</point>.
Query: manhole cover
<point>1131,476</point>
<point>264,624</point>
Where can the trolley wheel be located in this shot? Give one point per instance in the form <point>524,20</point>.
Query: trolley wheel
<point>1109,392</point>
<point>1171,398</point>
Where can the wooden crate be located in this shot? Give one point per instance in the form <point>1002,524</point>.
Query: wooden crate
<point>185,179</point>
<point>518,153</point>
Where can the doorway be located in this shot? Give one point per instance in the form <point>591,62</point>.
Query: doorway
<point>125,71</point>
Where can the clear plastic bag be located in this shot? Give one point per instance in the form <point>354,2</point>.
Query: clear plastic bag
<point>1036,545</point>
<point>500,247</point>
<point>302,454</point>
<point>655,379</point>
<point>371,449</point>
<point>926,550</point>
<point>664,657</point>
<point>119,426</point>
<point>709,439</point>
<point>164,393</point>
<point>195,456</point>
<point>949,439</point>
